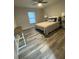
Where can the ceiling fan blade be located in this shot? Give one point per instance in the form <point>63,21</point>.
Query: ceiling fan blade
<point>34,3</point>
<point>44,2</point>
<point>37,0</point>
<point>40,0</point>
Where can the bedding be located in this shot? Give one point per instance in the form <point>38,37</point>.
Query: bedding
<point>47,26</point>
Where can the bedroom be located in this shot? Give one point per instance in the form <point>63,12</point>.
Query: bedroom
<point>42,28</point>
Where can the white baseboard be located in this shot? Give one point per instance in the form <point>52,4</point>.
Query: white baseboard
<point>28,27</point>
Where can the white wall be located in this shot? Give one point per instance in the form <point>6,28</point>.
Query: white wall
<point>15,25</point>
<point>21,17</point>
<point>55,9</point>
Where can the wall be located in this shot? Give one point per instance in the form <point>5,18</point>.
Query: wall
<point>15,25</point>
<point>40,15</point>
<point>21,17</point>
<point>55,9</point>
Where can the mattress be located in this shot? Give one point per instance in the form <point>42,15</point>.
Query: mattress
<point>45,24</point>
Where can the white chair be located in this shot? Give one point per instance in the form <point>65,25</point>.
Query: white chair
<point>19,39</point>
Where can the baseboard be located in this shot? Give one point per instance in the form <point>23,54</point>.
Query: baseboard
<point>28,27</point>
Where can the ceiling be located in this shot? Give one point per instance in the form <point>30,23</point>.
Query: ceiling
<point>28,3</point>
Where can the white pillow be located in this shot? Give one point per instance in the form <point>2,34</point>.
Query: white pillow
<point>51,20</point>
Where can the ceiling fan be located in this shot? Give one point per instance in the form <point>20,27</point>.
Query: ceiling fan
<point>39,2</point>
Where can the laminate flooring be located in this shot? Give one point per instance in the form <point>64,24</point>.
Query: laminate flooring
<point>40,46</point>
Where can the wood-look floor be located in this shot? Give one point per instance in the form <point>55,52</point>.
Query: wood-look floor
<point>55,41</point>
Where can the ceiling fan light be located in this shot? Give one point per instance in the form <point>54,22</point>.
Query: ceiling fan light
<point>40,4</point>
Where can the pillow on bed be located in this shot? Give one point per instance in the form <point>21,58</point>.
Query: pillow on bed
<point>52,19</point>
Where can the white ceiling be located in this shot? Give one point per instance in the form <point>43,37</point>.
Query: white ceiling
<point>29,3</point>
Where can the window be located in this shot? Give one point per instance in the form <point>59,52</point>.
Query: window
<point>32,17</point>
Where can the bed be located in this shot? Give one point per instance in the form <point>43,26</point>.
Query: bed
<point>47,26</point>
